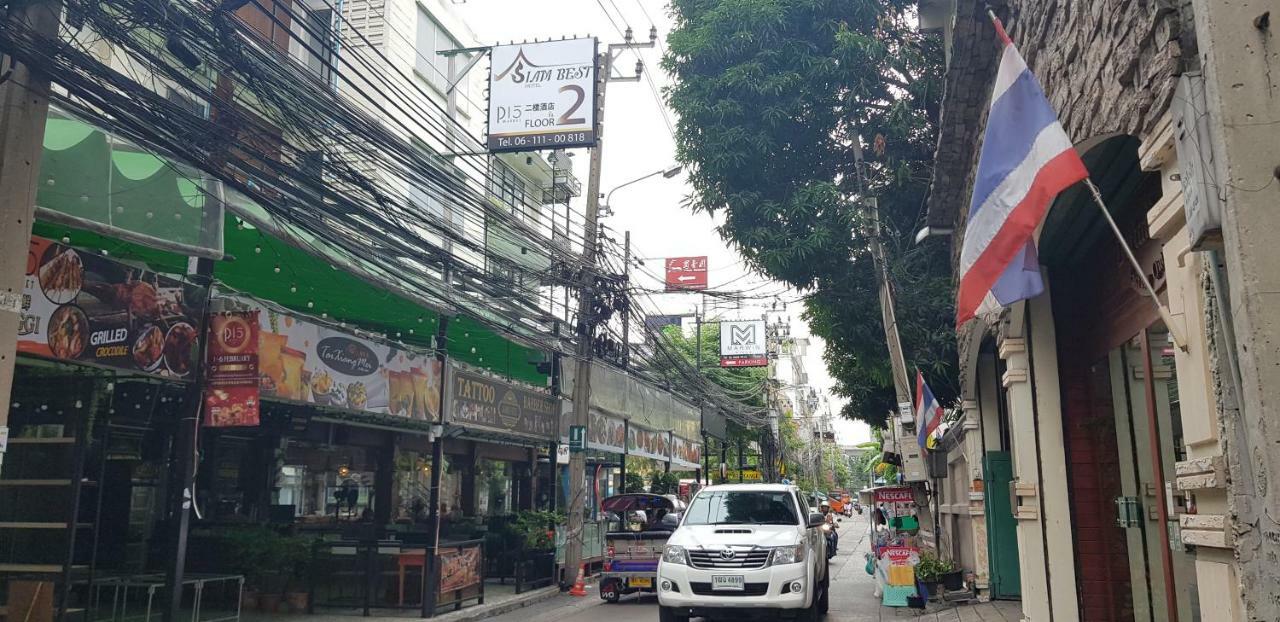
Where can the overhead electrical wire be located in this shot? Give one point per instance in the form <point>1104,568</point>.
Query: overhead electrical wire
<point>259,154</point>
<point>364,220</point>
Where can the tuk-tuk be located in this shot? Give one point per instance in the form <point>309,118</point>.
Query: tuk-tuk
<point>835,499</point>
<point>638,528</point>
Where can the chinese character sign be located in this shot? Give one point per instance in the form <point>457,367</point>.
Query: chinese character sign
<point>686,274</point>
<point>542,95</point>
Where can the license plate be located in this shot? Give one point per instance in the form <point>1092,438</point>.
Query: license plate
<point>640,582</point>
<point>728,582</point>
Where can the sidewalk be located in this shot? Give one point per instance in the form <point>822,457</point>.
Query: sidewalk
<point>853,591</point>
<point>498,600</point>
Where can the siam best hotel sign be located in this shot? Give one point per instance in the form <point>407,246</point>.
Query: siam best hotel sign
<point>542,95</point>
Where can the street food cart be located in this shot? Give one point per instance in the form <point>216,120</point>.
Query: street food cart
<point>639,526</point>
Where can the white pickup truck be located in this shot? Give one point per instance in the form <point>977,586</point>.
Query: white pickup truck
<point>745,551</point>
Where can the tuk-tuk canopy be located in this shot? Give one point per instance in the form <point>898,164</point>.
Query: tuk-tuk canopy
<point>639,501</point>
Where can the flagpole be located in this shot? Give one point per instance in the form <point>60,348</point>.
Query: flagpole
<point>1137,267</point>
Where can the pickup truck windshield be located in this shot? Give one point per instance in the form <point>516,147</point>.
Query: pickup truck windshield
<point>742,508</point>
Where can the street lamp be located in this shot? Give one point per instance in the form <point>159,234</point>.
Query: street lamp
<point>668,173</point>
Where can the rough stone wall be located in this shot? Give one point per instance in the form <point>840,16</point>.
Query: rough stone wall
<point>1108,66</point>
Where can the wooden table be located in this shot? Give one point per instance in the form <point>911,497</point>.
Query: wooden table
<point>409,558</point>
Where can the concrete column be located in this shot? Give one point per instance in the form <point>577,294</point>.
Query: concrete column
<point>973,495</point>
<point>1039,462</point>
<point>1053,459</point>
<point>1201,475</point>
<point>1240,57</point>
<point>1031,549</point>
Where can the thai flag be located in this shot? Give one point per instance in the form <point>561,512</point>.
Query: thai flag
<point>928,410</point>
<point>1027,159</point>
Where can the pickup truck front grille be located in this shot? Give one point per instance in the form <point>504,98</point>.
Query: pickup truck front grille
<point>749,589</point>
<point>715,559</point>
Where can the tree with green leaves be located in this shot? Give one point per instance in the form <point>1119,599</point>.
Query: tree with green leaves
<point>779,101</point>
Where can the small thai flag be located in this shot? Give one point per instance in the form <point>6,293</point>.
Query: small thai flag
<point>1027,159</point>
<point>928,410</point>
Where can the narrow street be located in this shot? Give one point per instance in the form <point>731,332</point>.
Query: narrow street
<point>852,598</point>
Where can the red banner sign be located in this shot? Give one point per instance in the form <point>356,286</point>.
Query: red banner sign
<point>744,361</point>
<point>231,395</point>
<point>900,555</point>
<point>686,273</point>
<point>894,495</point>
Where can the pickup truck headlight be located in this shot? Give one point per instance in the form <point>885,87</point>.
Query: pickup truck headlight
<point>788,555</point>
<point>675,554</point>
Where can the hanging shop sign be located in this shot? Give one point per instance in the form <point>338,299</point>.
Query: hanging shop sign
<point>480,402</point>
<point>686,274</point>
<point>685,452</point>
<point>542,95</point>
<point>901,555</point>
<point>894,495</point>
<point>606,433</point>
<point>648,443</point>
<point>231,391</point>
<point>305,362</point>
<point>82,307</point>
<point>742,344</point>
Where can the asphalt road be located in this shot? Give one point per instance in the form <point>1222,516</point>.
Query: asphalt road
<point>846,587</point>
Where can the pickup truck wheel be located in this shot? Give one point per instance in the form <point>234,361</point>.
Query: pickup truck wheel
<point>669,614</point>
<point>810,613</point>
<point>824,593</point>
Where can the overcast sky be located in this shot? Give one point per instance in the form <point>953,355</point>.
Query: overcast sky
<point>637,142</point>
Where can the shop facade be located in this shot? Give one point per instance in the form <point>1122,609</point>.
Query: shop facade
<point>1121,434</point>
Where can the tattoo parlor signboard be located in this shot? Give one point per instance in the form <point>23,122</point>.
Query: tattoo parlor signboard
<point>231,392</point>
<point>481,402</point>
<point>305,362</point>
<point>81,307</point>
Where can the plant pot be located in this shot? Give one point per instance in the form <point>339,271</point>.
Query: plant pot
<point>249,600</point>
<point>932,586</point>
<point>299,602</point>
<point>269,602</point>
<point>953,581</point>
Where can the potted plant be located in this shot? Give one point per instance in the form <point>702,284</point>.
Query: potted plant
<point>295,560</point>
<point>954,580</point>
<point>930,571</point>
<point>634,482</point>
<point>244,551</point>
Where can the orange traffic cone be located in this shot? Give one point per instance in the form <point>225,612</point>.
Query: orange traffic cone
<point>579,586</point>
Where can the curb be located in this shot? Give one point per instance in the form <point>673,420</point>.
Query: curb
<point>484,612</point>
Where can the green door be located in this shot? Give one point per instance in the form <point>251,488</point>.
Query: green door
<point>1002,535</point>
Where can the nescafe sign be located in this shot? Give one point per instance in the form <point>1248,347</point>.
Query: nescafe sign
<point>347,356</point>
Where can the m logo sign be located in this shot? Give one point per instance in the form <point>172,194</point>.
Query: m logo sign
<point>742,335</point>
<point>742,344</point>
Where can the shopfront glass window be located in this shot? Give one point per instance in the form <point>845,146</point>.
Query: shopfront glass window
<point>493,488</point>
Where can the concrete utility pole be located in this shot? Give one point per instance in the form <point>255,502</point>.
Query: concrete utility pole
<point>24,108</point>
<point>590,233</point>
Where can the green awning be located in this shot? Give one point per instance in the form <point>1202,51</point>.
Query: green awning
<point>97,181</point>
<point>313,287</point>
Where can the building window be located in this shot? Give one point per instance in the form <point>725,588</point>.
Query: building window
<point>509,188</point>
<point>434,68</point>
<point>313,41</point>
